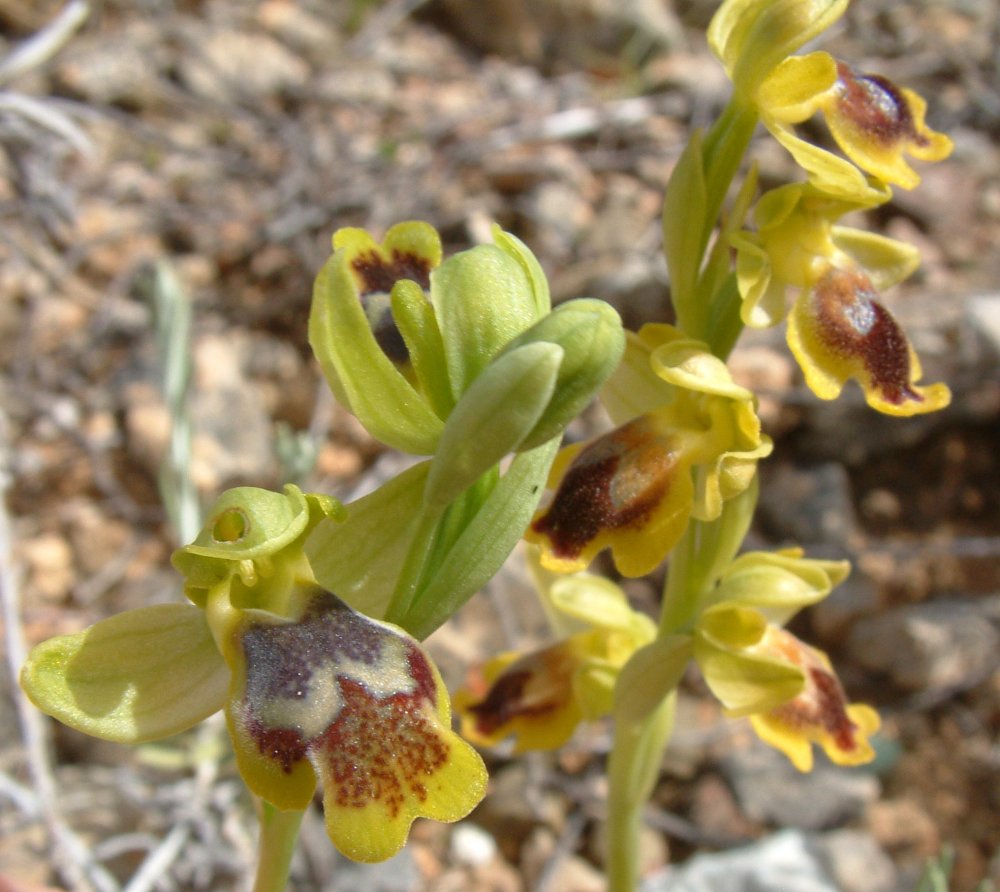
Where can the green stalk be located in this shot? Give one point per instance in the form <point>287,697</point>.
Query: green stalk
<point>279,831</point>
<point>633,768</point>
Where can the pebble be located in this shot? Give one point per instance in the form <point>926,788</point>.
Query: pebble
<point>809,504</point>
<point>770,790</point>
<point>472,846</point>
<point>949,644</point>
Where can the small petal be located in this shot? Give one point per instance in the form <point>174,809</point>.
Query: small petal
<point>819,714</point>
<point>629,490</point>
<point>839,330</point>
<point>778,584</point>
<point>141,675</point>
<point>358,704</point>
<point>794,91</point>
<point>875,123</point>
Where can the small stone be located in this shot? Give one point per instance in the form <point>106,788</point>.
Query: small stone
<point>939,645</point>
<point>232,65</point>
<point>568,873</point>
<point>903,826</point>
<point>808,505</point>
<point>51,572</point>
<point>855,597</point>
<point>515,807</point>
<point>398,874</point>
<point>770,790</point>
<point>785,862</point>
<point>983,312</point>
<point>855,862</point>
<point>471,845</point>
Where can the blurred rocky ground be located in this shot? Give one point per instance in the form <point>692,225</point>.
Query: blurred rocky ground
<point>228,140</point>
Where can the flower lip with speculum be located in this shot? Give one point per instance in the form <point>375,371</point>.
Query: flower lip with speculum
<point>876,123</point>
<point>357,704</point>
<point>840,330</point>
<point>819,714</point>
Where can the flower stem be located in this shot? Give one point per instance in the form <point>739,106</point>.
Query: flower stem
<point>279,831</point>
<point>633,768</point>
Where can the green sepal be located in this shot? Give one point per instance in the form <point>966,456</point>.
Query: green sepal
<point>745,680</point>
<point>591,335</point>
<point>778,584</point>
<point>652,673</point>
<point>362,377</point>
<point>493,417</point>
<point>482,299</point>
<point>512,245</point>
<point>886,260</point>
<point>141,675</point>
<point>360,558</point>
<point>484,545</point>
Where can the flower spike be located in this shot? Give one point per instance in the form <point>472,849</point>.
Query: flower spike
<point>839,330</point>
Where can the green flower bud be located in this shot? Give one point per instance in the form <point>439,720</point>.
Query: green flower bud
<point>494,416</point>
<point>482,298</point>
<point>592,339</point>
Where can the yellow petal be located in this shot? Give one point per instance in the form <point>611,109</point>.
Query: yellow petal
<point>838,330</point>
<point>794,91</point>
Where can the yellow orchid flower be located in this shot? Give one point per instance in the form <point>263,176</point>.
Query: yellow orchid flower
<point>313,691</point>
<point>758,669</point>
<point>688,439</point>
<point>874,122</point>
<point>837,328</point>
<point>541,696</point>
